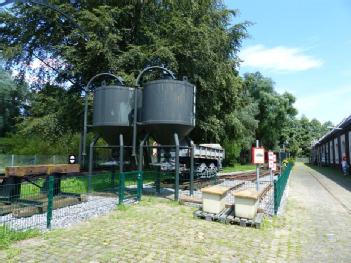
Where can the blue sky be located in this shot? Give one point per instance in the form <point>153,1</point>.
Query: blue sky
<point>305,47</point>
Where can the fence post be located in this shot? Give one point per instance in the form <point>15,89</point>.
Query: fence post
<point>140,185</point>
<point>257,170</point>
<point>158,181</point>
<point>121,188</point>
<point>91,159</point>
<point>275,195</point>
<point>50,201</point>
<point>12,160</point>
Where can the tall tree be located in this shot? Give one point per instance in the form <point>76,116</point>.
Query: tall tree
<point>298,135</point>
<point>12,102</point>
<point>274,110</point>
<point>193,38</point>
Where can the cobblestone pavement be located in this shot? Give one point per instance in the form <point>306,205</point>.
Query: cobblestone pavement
<point>323,196</point>
<point>314,228</point>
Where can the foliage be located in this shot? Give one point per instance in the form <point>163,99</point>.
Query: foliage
<point>298,135</point>
<point>17,143</point>
<point>275,109</point>
<point>12,101</point>
<point>193,39</point>
<point>290,160</point>
<point>199,39</point>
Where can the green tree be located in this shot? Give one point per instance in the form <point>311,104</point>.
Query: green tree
<point>193,38</point>
<point>298,134</point>
<point>274,110</point>
<point>48,127</point>
<point>12,102</point>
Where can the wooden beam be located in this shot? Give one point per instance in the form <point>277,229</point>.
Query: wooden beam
<point>48,169</point>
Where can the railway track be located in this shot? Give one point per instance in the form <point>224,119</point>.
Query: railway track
<point>249,176</point>
<point>203,182</point>
<point>243,176</point>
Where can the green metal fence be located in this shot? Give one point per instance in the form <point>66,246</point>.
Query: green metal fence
<point>130,186</point>
<point>158,182</point>
<point>279,186</point>
<point>57,200</point>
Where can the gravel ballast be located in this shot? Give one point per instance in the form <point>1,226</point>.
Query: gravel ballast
<point>63,217</point>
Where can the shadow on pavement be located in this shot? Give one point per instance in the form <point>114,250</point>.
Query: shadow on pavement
<point>334,175</point>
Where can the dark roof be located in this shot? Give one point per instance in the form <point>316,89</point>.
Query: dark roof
<point>342,125</point>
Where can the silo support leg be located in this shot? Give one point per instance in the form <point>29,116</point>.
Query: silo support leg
<point>158,174</point>
<point>176,190</point>
<point>91,160</point>
<point>192,167</point>
<point>121,153</point>
<point>141,158</point>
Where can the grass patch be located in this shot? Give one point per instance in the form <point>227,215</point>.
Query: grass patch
<point>79,184</point>
<point>239,168</point>
<point>123,207</point>
<point>100,182</point>
<point>7,236</point>
<point>153,200</point>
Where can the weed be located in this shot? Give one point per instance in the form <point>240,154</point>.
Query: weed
<point>8,236</point>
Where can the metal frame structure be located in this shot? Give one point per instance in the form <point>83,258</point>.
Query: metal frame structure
<point>139,162</point>
<point>177,148</point>
<point>85,125</point>
<point>137,86</point>
<point>135,117</point>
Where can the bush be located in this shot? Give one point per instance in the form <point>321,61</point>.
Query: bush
<point>290,160</point>
<point>30,145</point>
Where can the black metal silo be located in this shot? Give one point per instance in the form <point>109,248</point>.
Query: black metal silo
<point>113,113</point>
<point>168,108</point>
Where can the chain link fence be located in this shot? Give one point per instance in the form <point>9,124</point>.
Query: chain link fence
<point>279,186</point>
<point>60,200</point>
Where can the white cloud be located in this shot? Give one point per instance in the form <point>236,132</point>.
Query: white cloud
<point>278,58</point>
<point>330,105</point>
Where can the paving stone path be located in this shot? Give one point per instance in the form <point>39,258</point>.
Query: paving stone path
<point>315,227</point>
